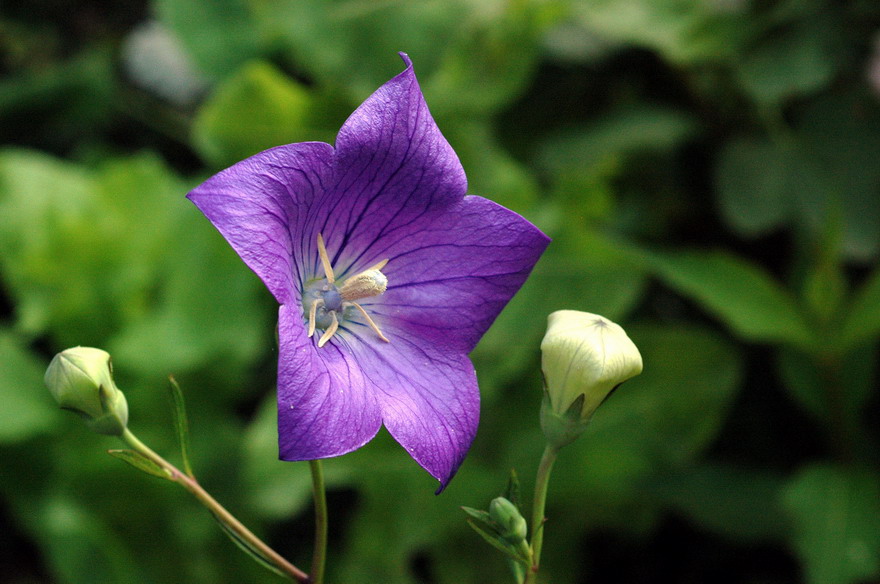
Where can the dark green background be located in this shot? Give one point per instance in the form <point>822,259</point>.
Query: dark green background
<point>709,171</point>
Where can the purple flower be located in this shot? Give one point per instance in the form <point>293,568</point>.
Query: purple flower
<point>386,273</point>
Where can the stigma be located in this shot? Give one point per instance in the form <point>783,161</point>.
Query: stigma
<point>329,304</point>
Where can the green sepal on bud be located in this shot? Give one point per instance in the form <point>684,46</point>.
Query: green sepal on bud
<point>584,357</point>
<point>81,380</point>
<point>562,429</point>
<point>504,527</point>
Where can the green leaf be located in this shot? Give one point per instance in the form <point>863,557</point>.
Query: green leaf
<point>792,62</point>
<point>478,515</point>
<point>141,462</point>
<point>354,43</point>
<point>219,35</point>
<point>81,547</point>
<point>862,321</point>
<point>491,171</point>
<point>745,297</point>
<point>33,248</point>
<point>256,108</point>
<point>841,133</point>
<point>59,103</point>
<point>81,258</point>
<point>181,423</point>
<point>491,57</point>
<point>204,297</point>
<point>736,502</point>
<point>682,31</point>
<point>834,388</point>
<point>754,180</point>
<point>836,518</point>
<point>28,410</point>
<point>490,531</point>
<point>627,130</point>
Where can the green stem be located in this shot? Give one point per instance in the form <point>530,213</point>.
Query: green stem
<point>319,555</point>
<point>542,480</point>
<point>191,485</point>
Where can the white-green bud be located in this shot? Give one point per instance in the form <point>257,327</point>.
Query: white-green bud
<point>584,357</point>
<point>81,380</point>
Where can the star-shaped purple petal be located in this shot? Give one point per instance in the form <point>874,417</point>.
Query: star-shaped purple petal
<point>392,189</point>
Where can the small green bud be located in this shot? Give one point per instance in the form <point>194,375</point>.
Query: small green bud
<point>81,380</point>
<point>583,357</point>
<point>513,526</point>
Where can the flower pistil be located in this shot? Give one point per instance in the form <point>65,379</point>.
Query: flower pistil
<point>327,303</point>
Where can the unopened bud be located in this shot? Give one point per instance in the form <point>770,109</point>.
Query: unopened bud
<point>513,526</point>
<point>583,357</point>
<point>81,380</point>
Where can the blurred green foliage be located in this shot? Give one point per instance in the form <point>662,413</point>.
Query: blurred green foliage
<point>708,171</point>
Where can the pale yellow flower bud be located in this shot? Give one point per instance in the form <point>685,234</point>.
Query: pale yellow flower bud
<point>587,355</point>
<point>81,380</point>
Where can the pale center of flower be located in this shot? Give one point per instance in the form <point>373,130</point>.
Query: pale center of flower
<point>327,304</point>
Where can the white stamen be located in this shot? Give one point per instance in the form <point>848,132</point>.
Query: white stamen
<point>331,330</point>
<point>364,285</point>
<point>312,312</point>
<point>325,260</point>
<point>370,322</point>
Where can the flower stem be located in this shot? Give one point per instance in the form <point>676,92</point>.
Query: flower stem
<point>542,480</point>
<point>190,484</point>
<point>319,555</point>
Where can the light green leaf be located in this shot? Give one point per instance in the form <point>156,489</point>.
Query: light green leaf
<point>140,462</point>
<point>207,311</point>
<point>680,30</point>
<point>28,409</point>
<point>490,59</point>
<point>836,518</point>
<point>68,256</point>
<point>50,201</point>
<point>357,40</point>
<point>745,297</point>
<point>116,257</point>
<point>256,108</point>
<point>181,423</point>
<point>219,35</point>
<point>489,533</point>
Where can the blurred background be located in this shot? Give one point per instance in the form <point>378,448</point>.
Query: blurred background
<point>709,171</point>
